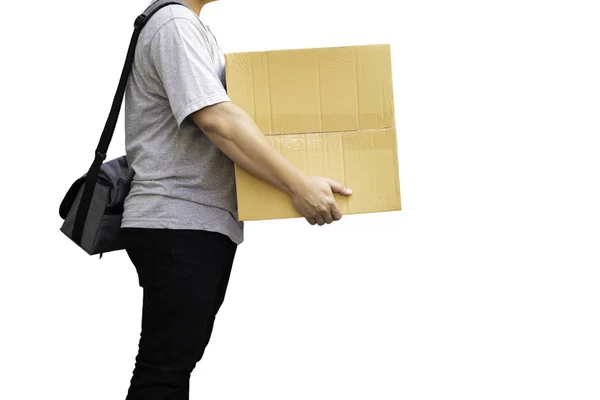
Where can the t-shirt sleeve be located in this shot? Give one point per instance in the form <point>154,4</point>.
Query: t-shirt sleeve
<point>181,58</point>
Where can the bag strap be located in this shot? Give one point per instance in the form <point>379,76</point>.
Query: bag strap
<point>113,116</point>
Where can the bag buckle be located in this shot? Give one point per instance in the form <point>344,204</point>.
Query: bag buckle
<point>139,20</point>
<point>100,156</point>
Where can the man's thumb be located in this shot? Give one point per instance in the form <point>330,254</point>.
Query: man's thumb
<point>337,187</point>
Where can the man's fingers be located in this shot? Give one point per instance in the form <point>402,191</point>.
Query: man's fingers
<point>311,221</point>
<point>320,220</point>
<point>337,187</point>
<point>336,213</point>
<point>328,217</point>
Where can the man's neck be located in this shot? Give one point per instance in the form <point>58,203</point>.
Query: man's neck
<point>196,5</point>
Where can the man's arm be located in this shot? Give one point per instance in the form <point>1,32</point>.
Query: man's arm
<point>236,134</point>
<point>179,54</point>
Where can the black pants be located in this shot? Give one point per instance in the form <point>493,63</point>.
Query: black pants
<point>184,276</point>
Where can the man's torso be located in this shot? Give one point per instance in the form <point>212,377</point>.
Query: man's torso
<point>182,180</point>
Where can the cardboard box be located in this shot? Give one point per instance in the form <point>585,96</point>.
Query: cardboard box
<point>329,111</point>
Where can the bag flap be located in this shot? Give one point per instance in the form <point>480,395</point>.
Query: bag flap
<point>69,198</point>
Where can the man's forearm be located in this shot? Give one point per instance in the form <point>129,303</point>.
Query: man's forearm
<point>236,134</point>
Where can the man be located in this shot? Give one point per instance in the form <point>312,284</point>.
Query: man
<point>183,136</point>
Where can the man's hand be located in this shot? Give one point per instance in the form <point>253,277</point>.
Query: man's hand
<point>313,198</point>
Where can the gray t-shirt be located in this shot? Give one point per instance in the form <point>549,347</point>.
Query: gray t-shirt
<point>182,180</point>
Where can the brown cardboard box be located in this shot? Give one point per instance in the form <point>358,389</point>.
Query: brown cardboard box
<point>330,111</point>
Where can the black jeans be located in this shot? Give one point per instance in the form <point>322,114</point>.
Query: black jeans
<point>184,276</point>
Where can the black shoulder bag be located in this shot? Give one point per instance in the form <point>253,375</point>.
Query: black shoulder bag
<point>92,209</point>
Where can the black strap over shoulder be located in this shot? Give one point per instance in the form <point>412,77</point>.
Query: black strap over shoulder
<point>113,116</point>
<point>141,20</point>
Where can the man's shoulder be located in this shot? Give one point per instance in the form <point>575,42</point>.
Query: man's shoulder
<point>164,18</point>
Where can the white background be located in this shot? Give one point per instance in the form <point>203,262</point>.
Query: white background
<point>485,286</point>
